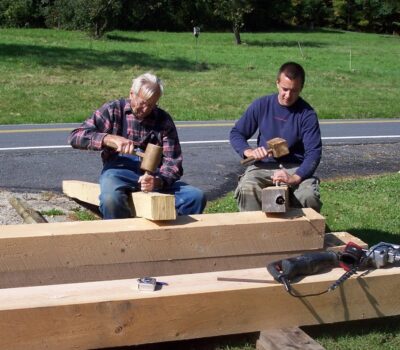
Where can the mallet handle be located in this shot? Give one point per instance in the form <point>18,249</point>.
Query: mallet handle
<point>134,153</point>
<point>250,159</point>
<point>247,161</point>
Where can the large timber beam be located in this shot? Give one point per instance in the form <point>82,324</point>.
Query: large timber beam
<point>114,313</point>
<point>111,249</point>
<point>149,205</point>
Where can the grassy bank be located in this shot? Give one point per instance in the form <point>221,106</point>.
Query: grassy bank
<point>59,76</point>
<point>369,209</point>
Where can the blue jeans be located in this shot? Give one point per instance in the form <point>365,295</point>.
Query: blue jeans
<point>120,177</point>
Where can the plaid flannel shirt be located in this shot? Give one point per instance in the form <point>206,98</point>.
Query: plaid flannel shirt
<point>116,117</point>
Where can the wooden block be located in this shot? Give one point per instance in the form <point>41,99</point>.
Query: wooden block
<point>275,199</point>
<point>292,338</point>
<point>114,313</point>
<point>149,205</point>
<point>153,205</point>
<point>110,249</point>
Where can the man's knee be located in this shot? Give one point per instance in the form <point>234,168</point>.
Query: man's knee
<point>190,200</point>
<point>308,194</point>
<point>313,202</point>
<point>199,199</point>
<point>248,196</point>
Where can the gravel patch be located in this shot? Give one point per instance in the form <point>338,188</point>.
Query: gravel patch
<point>44,201</point>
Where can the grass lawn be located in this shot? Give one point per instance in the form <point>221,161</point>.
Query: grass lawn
<point>59,76</point>
<point>369,209</point>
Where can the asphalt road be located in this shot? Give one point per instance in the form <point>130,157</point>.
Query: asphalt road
<point>36,157</point>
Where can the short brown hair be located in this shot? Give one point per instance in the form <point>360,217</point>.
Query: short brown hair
<point>293,71</point>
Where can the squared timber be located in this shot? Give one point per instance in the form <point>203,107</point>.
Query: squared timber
<point>55,253</point>
<point>114,313</point>
<point>149,205</point>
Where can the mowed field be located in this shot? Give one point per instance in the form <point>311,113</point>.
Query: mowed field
<point>59,76</point>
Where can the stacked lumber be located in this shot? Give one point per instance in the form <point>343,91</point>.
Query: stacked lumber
<point>74,285</point>
<point>68,252</point>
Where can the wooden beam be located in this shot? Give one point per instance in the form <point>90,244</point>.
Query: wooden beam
<point>149,205</point>
<point>29,215</point>
<point>112,249</point>
<point>114,313</point>
<point>292,338</point>
<point>337,241</point>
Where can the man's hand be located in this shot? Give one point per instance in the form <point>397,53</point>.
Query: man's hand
<point>282,176</point>
<point>146,182</point>
<point>149,182</point>
<point>257,153</point>
<point>119,143</point>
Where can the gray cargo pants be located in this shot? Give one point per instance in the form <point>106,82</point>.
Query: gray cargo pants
<point>256,177</point>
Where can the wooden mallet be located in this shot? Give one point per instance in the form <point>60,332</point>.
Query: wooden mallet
<point>151,157</point>
<point>277,145</point>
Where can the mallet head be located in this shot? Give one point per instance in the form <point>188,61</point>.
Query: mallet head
<point>278,146</point>
<point>151,158</point>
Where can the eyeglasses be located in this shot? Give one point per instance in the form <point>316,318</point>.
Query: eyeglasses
<point>140,102</point>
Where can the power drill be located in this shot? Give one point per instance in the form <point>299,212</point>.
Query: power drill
<point>284,271</point>
<point>351,259</point>
<point>377,256</point>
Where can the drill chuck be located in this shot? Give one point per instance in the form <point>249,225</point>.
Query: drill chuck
<point>383,254</point>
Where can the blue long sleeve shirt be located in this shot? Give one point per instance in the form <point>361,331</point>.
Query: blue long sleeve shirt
<point>297,124</point>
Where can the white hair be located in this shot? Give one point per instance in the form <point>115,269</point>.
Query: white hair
<point>148,85</point>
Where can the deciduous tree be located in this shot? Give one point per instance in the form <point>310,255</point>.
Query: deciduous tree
<point>233,11</point>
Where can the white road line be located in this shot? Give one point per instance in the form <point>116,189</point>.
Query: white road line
<point>31,147</point>
<point>214,141</point>
<point>360,137</point>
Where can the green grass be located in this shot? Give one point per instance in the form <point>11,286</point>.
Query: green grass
<point>83,215</point>
<point>52,212</point>
<point>370,335</point>
<point>369,209</point>
<point>59,76</point>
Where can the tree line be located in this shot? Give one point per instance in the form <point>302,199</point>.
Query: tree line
<point>99,16</point>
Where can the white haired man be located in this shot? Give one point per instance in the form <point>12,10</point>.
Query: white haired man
<point>122,126</point>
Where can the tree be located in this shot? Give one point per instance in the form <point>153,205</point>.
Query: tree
<point>233,11</point>
<point>99,14</point>
<point>18,13</point>
<point>94,16</point>
<point>311,12</point>
<point>344,13</point>
<point>377,15</point>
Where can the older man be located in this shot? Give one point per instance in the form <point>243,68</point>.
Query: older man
<point>288,116</point>
<point>122,126</point>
